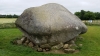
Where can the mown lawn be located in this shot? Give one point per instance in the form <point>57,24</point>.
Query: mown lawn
<point>91,44</point>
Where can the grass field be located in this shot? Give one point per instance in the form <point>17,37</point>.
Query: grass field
<point>91,44</point>
<point>7,20</point>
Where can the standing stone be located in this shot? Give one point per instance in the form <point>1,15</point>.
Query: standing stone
<point>50,23</point>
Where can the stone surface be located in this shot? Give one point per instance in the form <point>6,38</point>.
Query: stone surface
<point>45,46</point>
<point>80,45</point>
<point>44,50</point>
<point>65,46</point>
<point>39,50</point>
<point>19,42</point>
<point>30,44</point>
<point>59,46</point>
<point>56,52</point>
<point>47,49</point>
<point>23,38</point>
<point>49,23</point>
<point>27,41</point>
<point>25,44</point>
<point>69,50</point>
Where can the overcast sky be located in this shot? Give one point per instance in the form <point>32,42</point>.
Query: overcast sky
<point>18,6</point>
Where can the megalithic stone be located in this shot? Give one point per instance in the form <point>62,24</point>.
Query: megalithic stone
<point>50,23</point>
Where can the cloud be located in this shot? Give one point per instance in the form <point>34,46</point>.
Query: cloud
<point>18,6</point>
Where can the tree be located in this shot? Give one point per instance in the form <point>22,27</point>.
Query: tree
<point>15,16</point>
<point>82,14</point>
<point>89,15</point>
<point>9,16</point>
<point>97,14</point>
<point>78,14</point>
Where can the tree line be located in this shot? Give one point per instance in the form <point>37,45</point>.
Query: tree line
<point>9,16</point>
<point>88,15</point>
<point>83,15</point>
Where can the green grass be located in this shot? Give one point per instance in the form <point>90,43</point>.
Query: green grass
<point>7,20</point>
<point>91,44</point>
<point>7,25</point>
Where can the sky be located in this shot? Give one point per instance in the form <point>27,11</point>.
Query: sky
<point>18,6</point>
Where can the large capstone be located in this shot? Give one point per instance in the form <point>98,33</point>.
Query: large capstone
<point>50,24</point>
